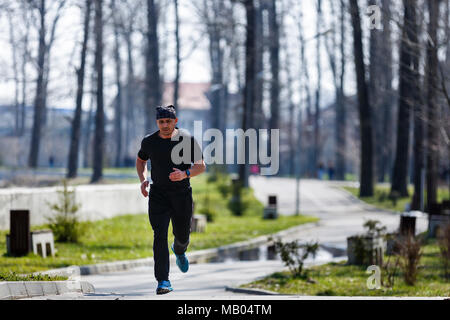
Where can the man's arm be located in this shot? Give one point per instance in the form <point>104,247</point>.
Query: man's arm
<point>141,168</point>
<point>198,168</point>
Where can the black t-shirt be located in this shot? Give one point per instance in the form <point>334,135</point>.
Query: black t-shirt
<point>159,151</point>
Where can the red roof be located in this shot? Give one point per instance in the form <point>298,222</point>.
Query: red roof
<point>191,95</point>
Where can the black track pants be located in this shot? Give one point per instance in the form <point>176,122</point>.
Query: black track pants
<point>167,204</point>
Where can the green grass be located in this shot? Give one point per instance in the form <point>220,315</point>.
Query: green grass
<point>339,279</point>
<point>381,198</point>
<point>130,236</point>
<point>12,276</point>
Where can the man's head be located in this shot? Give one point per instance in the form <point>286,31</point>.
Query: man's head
<point>166,119</point>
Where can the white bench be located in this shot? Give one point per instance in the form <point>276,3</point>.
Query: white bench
<point>198,223</point>
<point>41,242</point>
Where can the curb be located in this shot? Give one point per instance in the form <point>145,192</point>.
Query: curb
<point>200,256</point>
<point>257,292</point>
<point>365,205</point>
<point>11,290</point>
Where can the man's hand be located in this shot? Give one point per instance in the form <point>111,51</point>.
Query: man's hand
<point>144,186</point>
<point>177,175</point>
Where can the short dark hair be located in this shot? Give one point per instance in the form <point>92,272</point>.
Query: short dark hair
<point>166,112</point>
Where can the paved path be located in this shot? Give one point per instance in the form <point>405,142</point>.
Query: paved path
<point>341,215</point>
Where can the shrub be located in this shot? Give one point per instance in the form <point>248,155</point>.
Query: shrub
<point>394,196</point>
<point>374,227</point>
<point>389,271</point>
<point>293,254</point>
<point>410,253</point>
<point>444,247</point>
<point>65,224</point>
<point>209,213</point>
<point>224,187</point>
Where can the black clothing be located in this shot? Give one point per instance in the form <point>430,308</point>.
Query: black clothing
<point>159,151</point>
<point>169,200</point>
<point>167,204</point>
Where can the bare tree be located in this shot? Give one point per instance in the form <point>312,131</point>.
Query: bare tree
<point>384,160</point>
<point>153,91</point>
<point>249,92</point>
<point>127,26</point>
<point>366,171</point>
<point>14,48</point>
<point>432,103</point>
<point>177,55</point>
<point>76,121</point>
<point>408,89</point>
<point>118,83</point>
<point>317,116</point>
<point>274,50</point>
<point>23,67</point>
<point>306,88</point>
<point>338,68</point>
<point>217,18</point>
<point>43,70</point>
<point>99,138</point>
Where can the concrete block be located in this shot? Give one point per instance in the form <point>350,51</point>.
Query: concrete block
<point>34,288</point>
<point>5,294</point>
<point>68,286</point>
<point>198,223</point>
<point>49,289</point>
<point>87,287</point>
<point>17,289</point>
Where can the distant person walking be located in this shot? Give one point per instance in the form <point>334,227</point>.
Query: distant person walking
<point>320,171</point>
<point>170,195</point>
<point>330,170</point>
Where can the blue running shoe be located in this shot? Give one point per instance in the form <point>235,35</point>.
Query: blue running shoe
<point>164,287</point>
<point>182,261</point>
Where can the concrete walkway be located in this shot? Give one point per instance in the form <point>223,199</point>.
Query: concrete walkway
<point>341,216</point>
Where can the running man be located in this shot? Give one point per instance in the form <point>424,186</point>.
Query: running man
<point>170,194</point>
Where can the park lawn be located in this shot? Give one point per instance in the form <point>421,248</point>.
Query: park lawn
<point>381,198</point>
<point>339,279</point>
<point>130,236</point>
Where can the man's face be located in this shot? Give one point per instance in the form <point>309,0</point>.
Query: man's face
<point>166,125</point>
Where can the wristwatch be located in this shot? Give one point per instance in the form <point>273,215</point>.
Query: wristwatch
<point>188,173</point>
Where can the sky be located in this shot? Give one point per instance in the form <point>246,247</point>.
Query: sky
<point>196,68</point>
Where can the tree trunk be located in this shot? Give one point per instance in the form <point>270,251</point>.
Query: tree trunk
<point>274,49</point>
<point>178,59</point>
<point>99,139</point>
<point>25,58</point>
<point>419,116</point>
<point>260,120</point>
<point>375,85</point>
<point>72,166</point>
<point>249,84</point>
<point>292,159</point>
<point>338,79</point>
<point>39,102</point>
<point>131,87</point>
<point>384,165</point>
<point>317,116</point>
<point>88,124</point>
<point>216,57</point>
<point>13,44</point>
<point>409,83</point>
<point>153,80</point>
<point>366,171</point>
<point>118,105</point>
<point>307,146</point>
<point>433,106</point>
